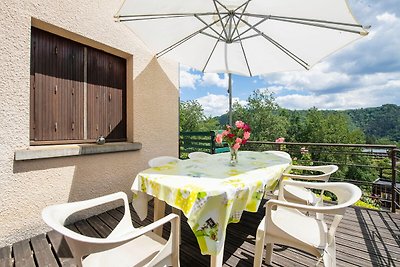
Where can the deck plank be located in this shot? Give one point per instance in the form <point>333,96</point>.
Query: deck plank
<point>42,251</point>
<point>101,228</point>
<point>61,249</point>
<point>364,238</point>
<point>5,257</point>
<point>85,229</point>
<point>23,255</point>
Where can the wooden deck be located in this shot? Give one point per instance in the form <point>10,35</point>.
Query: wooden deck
<point>364,238</point>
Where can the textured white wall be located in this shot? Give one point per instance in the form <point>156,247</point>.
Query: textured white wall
<point>26,187</point>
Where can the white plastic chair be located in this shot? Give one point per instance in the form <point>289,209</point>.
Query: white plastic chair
<point>125,246</point>
<point>305,196</point>
<point>285,223</point>
<point>162,160</point>
<point>198,155</point>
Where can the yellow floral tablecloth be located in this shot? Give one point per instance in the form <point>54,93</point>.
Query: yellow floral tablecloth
<point>210,192</point>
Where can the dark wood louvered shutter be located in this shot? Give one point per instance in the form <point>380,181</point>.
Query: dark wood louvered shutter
<point>57,80</point>
<point>61,111</point>
<point>106,95</point>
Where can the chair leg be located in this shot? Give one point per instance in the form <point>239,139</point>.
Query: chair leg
<point>259,249</point>
<point>268,256</point>
<point>177,212</point>
<point>159,212</point>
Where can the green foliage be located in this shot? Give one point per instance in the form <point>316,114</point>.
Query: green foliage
<point>192,118</point>
<point>190,115</point>
<point>262,114</point>
<point>209,124</point>
<point>377,123</point>
<point>366,202</point>
<point>323,127</point>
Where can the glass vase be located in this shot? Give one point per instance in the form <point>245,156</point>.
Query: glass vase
<point>234,156</point>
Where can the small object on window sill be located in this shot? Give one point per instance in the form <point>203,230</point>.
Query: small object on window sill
<point>101,140</point>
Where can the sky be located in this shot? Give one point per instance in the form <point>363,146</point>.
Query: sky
<point>364,74</point>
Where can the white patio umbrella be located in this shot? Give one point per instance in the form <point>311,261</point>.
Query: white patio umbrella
<point>245,37</point>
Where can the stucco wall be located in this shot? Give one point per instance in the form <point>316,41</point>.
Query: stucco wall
<point>26,187</point>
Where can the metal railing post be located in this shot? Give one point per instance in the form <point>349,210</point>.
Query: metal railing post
<point>212,136</point>
<point>179,145</point>
<point>394,174</point>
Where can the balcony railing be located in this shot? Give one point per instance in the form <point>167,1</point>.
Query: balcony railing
<point>374,168</point>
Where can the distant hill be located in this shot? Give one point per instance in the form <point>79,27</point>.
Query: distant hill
<point>379,122</point>
<point>376,123</point>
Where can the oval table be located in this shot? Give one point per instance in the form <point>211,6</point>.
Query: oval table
<point>210,192</point>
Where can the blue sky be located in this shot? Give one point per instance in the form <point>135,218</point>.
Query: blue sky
<point>363,74</point>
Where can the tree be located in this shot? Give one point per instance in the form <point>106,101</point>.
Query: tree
<point>191,116</point>
<point>261,113</point>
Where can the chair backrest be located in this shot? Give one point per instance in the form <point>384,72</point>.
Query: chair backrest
<point>162,160</point>
<point>80,245</point>
<point>326,170</point>
<point>198,155</point>
<point>347,194</point>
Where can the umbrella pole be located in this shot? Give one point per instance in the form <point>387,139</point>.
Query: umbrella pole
<point>230,97</point>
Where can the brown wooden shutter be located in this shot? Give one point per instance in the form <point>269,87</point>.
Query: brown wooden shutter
<point>106,95</point>
<point>57,74</point>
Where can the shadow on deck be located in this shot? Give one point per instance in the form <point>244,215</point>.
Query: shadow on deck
<point>364,238</point>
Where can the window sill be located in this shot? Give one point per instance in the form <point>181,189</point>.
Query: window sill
<point>56,151</point>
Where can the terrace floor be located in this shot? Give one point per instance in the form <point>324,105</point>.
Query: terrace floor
<point>364,238</point>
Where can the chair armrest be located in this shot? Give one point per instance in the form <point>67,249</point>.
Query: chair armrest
<point>319,177</point>
<point>119,240</point>
<point>346,193</point>
<point>318,209</point>
<point>57,214</point>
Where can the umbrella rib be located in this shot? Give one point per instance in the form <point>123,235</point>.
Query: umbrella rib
<point>219,16</point>
<point>320,21</point>
<point>244,54</point>
<point>250,28</point>
<point>311,22</point>
<point>222,5</point>
<point>316,25</point>
<point>212,52</point>
<point>241,14</point>
<point>205,23</point>
<point>212,36</point>
<point>123,18</point>
<point>247,37</point>
<point>175,45</point>
<point>279,46</point>
<point>287,52</point>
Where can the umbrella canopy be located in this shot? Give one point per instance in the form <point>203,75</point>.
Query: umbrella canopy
<point>243,37</point>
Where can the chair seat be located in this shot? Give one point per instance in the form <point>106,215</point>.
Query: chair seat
<point>137,252</point>
<point>294,223</point>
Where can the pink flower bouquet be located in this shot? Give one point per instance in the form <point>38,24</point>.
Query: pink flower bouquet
<point>234,137</point>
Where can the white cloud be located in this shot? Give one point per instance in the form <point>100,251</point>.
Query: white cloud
<point>216,105</point>
<point>373,90</point>
<point>274,89</point>
<point>320,78</point>
<point>188,79</point>
<point>214,79</point>
<point>387,17</point>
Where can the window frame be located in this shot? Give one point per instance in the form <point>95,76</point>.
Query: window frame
<point>123,104</point>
